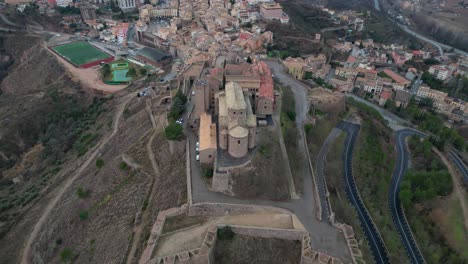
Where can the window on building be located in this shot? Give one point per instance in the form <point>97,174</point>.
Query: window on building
<point>238,142</point>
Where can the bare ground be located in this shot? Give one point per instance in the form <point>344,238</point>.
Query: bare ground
<point>245,249</point>
<point>266,176</point>
<point>115,195</point>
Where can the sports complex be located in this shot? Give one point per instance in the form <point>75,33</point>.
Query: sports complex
<point>82,54</point>
<point>119,72</point>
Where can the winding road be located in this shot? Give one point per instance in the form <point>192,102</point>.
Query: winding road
<point>374,239</point>
<point>460,165</point>
<point>396,208</point>
<point>320,173</point>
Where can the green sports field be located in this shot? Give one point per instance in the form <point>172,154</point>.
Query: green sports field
<point>80,53</point>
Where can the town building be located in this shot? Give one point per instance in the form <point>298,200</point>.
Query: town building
<point>237,123</point>
<point>402,98</point>
<point>295,67</point>
<point>400,82</point>
<point>127,5</point>
<point>440,72</point>
<point>64,3</point>
<point>120,32</point>
<point>207,136</point>
<point>438,97</point>
<point>88,12</point>
<point>253,78</point>
<point>155,57</point>
<point>273,11</point>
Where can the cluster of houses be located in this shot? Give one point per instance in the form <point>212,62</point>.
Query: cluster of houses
<point>373,69</point>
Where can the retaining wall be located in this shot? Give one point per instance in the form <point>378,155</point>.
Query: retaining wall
<point>217,209</point>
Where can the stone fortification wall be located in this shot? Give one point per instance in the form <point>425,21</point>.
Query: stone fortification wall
<point>220,209</point>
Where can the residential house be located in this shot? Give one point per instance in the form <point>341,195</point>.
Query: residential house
<point>402,98</point>
<point>440,72</point>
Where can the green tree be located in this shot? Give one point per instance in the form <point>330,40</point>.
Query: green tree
<point>143,71</point>
<point>105,70</point>
<point>131,73</point>
<point>177,108</point>
<point>173,131</point>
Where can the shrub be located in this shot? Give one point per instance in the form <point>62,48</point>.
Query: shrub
<point>208,172</point>
<point>82,193</point>
<point>291,115</point>
<point>225,233</point>
<point>66,255</point>
<point>84,215</point>
<point>99,163</point>
<point>123,166</point>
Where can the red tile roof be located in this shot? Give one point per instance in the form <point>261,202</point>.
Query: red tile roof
<point>266,81</point>
<point>397,78</point>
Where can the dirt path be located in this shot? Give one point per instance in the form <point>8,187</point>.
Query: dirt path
<point>138,230</point>
<point>25,258</point>
<point>457,186</point>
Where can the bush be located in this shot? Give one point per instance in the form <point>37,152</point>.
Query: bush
<point>123,166</point>
<point>174,131</point>
<point>66,255</point>
<point>291,115</point>
<point>84,215</point>
<point>99,163</point>
<point>208,172</point>
<point>225,233</point>
<point>82,193</point>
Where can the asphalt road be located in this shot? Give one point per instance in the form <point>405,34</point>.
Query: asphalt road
<point>460,165</point>
<point>320,175</point>
<point>370,230</point>
<point>396,208</point>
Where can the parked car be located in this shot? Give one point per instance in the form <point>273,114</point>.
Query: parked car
<point>180,121</point>
<point>197,157</point>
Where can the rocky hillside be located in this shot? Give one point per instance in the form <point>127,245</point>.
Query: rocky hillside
<point>75,168</point>
<point>44,119</point>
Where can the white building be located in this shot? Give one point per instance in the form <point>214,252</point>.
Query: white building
<point>127,5</point>
<point>440,72</point>
<point>64,3</point>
